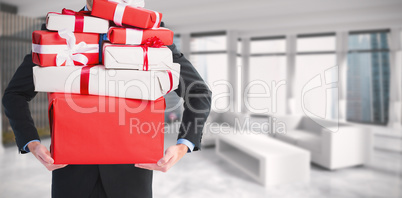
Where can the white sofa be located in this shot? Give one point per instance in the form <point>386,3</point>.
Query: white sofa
<point>332,144</point>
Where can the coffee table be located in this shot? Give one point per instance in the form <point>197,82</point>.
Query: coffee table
<point>266,160</point>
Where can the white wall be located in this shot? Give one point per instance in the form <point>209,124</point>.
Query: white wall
<point>254,17</point>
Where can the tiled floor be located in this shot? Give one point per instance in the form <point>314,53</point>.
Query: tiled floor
<point>203,174</point>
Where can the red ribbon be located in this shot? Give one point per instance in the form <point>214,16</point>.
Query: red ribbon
<point>171,80</point>
<point>84,80</point>
<point>146,64</point>
<point>157,43</point>
<point>150,42</point>
<point>79,18</point>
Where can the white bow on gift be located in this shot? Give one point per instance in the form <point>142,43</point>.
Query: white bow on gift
<point>73,51</point>
<point>135,3</point>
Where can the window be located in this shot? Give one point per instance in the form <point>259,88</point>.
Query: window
<point>266,89</point>
<point>268,45</point>
<point>368,77</point>
<point>208,43</point>
<point>316,43</point>
<point>209,57</point>
<point>315,76</point>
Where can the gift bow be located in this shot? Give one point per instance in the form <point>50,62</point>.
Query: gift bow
<point>73,52</point>
<point>153,42</point>
<point>79,18</point>
<point>72,12</point>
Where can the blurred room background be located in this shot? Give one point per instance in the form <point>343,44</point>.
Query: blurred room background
<point>337,63</point>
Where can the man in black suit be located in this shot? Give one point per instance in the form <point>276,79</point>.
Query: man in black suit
<point>112,181</point>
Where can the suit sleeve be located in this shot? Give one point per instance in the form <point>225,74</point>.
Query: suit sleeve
<point>197,100</point>
<point>19,92</point>
<point>16,104</point>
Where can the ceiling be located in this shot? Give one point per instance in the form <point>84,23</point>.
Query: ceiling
<point>252,16</point>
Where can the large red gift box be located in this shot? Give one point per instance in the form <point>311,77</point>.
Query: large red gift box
<point>64,48</point>
<point>135,36</point>
<point>105,130</point>
<point>123,14</point>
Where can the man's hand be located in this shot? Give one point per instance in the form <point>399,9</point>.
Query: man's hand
<point>43,155</point>
<point>172,155</point>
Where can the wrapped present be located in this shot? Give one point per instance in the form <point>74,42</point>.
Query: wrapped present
<point>64,48</point>
<point>123,13</point>
<point>96,80</point>
<point>135,36</point>
<point>137,57</point>
<point>76,22</point>
<point>105,130</point>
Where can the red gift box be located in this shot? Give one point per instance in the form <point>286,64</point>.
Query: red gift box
<point>125,14</point>
<point>105,130</point>
<point>64,48</point>
<point>134,36</point>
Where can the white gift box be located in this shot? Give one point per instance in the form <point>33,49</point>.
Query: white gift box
<point>132,57</point>
<point>56,22</point>
<point>135,84</point>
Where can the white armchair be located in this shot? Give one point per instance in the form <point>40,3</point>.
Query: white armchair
<point>332,145</point>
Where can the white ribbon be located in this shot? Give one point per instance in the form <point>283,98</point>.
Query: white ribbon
<point>134,36</point>
<point>157,22</point>
<point>118,14</point>
<point>121,6</point>
<point>67,53</point>
<point>134,3</point>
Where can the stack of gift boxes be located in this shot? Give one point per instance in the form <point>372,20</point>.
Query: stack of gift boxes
<point>106,102</point>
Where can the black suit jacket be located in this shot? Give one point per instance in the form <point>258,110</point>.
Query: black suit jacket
<point>118,180</point>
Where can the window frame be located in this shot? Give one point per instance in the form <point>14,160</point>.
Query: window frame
<point>358,51</point>
<point>271,54</point>
<point>316,35</point>
<point>318,52</point>
<point>267,38</point>
<point>208,34</point>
